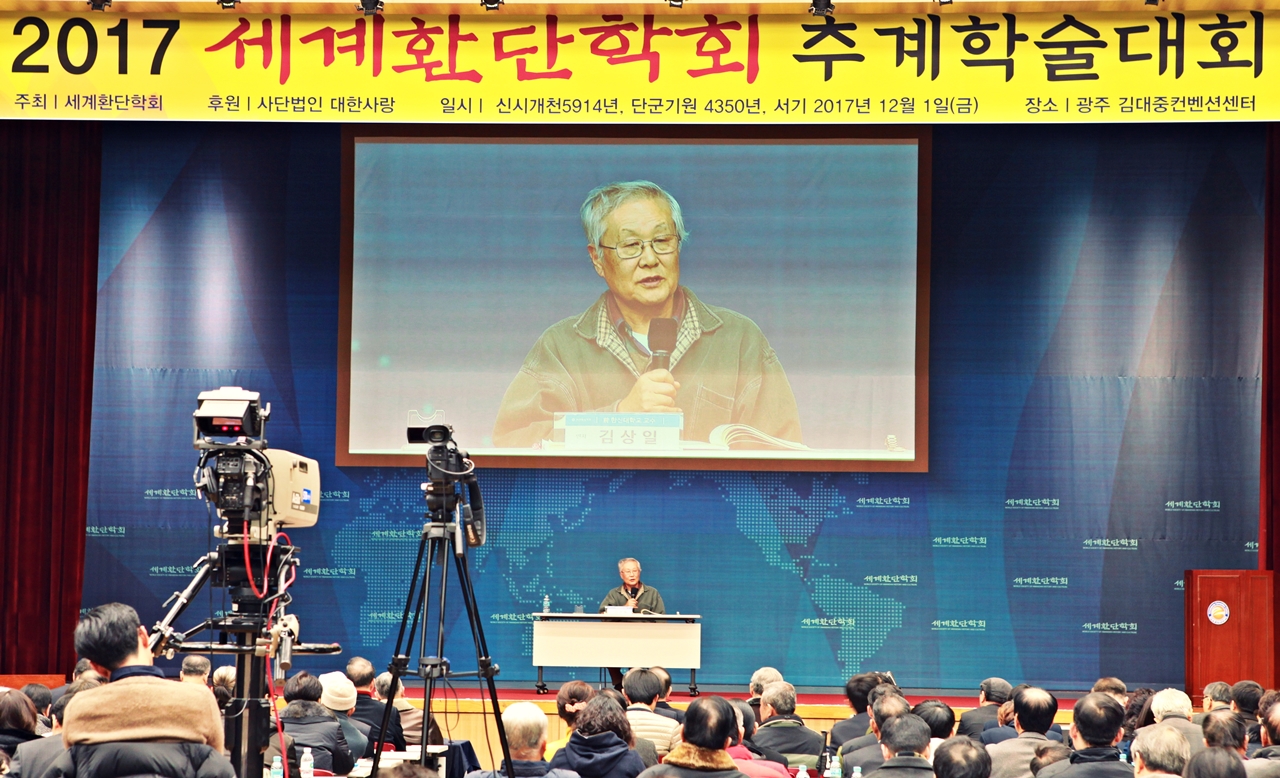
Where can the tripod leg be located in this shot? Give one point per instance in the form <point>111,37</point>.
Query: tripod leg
<point>540,686</point>
<point>484,662</point>
<point>693,683</point>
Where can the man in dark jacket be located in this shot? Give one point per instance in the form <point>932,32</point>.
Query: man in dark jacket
<point>312,725</point>
<point>856,689</point>
<point>992,693</point>
<point>784,731</point>
<point>1265,763</point>
<point>371,711</point>
<point>119,760</point>
<point>1097,728</point>
<point>904,742</point>
<point>34,758</point>
<point>526,727</point>
<point>663,708</point>
<point>710,727</point>
<point>870,757</point>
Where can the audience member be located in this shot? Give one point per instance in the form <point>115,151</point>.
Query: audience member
<point>940,718</point>
<point>371,712</point>
<point>1215,763</point>
<point>1097,728</point>
<point>992,693</point>
<point>960,757</point>
<point>710,727</point>
<point>223,684</point>
<point>1033,712</point>
<point>1160,750</point>
<point>1216,695</point>
<point>643,746</point>
<point>904,742</point>
<point>1224,728</point>
<point>410,714</point>
<point>743,757</point>
<point>1245,696</point>
<point>663,707</point>
<point>868,758</point>
<point>312,725</point>
<point>760,679</point>
<point>82,667</point>
<point>1172,708</point>
<point>42,697</point>
<point>1002,728</point>
<point>757,751</point>
<point>1265,762</point>
<point>1137,714</point>
<point>782,730</point>
<point>339,696</point>
<point>642,688</point>
<point>526,727</point>
<point>34,757</point>
<point>1114,687</point>
<point>195,669</point>
<point>886,687</point>
<point>570,701</point>
<point>17,720</point>
<point>600,746</point>
<point>1049,753</point>
<point>856,690</point>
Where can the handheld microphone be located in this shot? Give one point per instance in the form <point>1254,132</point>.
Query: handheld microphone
<point>662,341</point>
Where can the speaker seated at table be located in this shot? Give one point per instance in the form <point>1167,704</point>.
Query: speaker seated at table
<point>632,594</point>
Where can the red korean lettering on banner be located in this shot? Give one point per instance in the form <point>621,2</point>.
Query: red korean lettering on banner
<point>264,41</point>
<point>358,33</point>
<point>554,41</point>
<point>714,32</point>
<point>617,54</point>
<point>421,45</point>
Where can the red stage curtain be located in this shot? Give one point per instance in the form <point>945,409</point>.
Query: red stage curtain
<point>50,186</point>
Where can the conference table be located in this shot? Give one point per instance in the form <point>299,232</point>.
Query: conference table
<point>617,640</point>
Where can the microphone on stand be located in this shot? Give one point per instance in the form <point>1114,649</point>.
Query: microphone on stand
<point>662,341</point>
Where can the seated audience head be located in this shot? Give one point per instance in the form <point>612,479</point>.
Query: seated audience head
<point>1113,686</point>
<point>857,688</point>
<point>762,678</point>
<point>1171,704</point>
<point>993,691</point>
<point>572,699</point>
<point>1004,716</point>
<point>1215,763</point>
<point>1047,754</point>
<point>1217,695</point>
<point>1160,751</point>
<point>614,695</point>
<point>939,716</point>
<point>57,709</point>
<point>382,687</point>
<point>710,723</point>
<point>303,686</point>
<point>195,669</point>
<point>111,636</point>
<point>748,717</point>
<point>960,757</point>
<point>1245,696</point>
<point>880,690</point>
<point>778,699</point>
<point>1034,709</point>
<point>40,696</point>
<point>885,707</point>
<point>339,693</point>
<point>1137,712</point>
<point>1271,726</point>
<point>17,711</point>
<point>641,687</point>
<point>1099,721</point>
<point>1224,728</point>
<point>360,671</point>
<point>526,727</point>
<point>225,676</point>
<point>1269,697</point>
<point>665,678</point>
<point>906,735</point>
<point>82,666</point>
<point>601,715</point>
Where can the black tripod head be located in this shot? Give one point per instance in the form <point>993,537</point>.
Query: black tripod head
<point>452,491</point>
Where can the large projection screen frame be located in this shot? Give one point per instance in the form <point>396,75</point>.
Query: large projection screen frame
<point>608,134</point>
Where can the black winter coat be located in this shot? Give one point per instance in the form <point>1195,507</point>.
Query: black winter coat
<point>599,756</point>
<point>138,759</point>
<point>10,739</point>
<point>323,734</point>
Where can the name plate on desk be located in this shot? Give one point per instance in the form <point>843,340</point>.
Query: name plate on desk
<point>619,431</point>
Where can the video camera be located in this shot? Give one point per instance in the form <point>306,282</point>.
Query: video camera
<point>448,470</point>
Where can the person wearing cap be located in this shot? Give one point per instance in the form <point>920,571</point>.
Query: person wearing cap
<point>340,698</point>
<point>992,693</point>
<point>314,726</point>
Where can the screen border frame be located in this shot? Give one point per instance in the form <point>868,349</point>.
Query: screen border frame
<point>641,134</point>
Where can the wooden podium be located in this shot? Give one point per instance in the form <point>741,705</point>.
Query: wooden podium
<point>1230,619</point>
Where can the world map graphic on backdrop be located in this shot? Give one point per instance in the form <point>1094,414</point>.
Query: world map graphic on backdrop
<point>1083,453</point>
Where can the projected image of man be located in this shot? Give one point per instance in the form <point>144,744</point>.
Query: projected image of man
<point>720,370</point>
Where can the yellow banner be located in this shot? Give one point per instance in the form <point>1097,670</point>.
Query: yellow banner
<point>679,68</point>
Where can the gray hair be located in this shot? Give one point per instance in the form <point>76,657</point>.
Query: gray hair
<point>605,199</point>
<point>526,725</point>
<point>382,685</point>
<point>1163,749</point>
<point>625,560</point>
<point>1171,702</point>
<point>194,665</point>
<point>1218,691</point>
<point>762,678</point>
<point>781,696</point>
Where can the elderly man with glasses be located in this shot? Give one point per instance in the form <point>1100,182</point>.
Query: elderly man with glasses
<point>721,370</point>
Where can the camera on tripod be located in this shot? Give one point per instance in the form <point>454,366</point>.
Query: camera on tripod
<point>448,468</point>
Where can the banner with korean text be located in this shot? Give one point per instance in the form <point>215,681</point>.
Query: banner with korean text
<point>685,67</point>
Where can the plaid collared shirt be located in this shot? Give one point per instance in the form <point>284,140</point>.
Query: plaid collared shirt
<point>612,332</point>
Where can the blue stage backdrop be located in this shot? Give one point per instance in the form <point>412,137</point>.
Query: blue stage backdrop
<point>1095,357</point>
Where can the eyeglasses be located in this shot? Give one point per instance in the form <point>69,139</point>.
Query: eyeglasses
<point>630,249</point>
